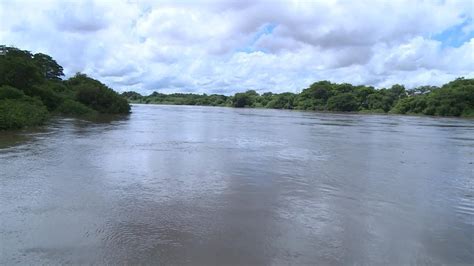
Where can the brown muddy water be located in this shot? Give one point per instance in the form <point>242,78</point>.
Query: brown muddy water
<point>220,186</point>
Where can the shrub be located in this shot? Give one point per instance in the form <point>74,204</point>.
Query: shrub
<point>344,102</point>
<point>49,98</point>
<point>70,107</point>
<point>19,113</point>
<point>97,96</point>
<point>8,92</point>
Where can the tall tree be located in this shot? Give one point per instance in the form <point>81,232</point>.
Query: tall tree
<point>17,69</point>
<point>49,68</point>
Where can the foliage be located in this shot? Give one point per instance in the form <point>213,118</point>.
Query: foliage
<point>132,96</point>
<point>98,96</point>
<point>49,98</point>
<point>178,99</point>
<point>282,101</point>
<point>23,112</point>
<point>327,96</point>
<point>17,68</point>
<point>344,102</point>
<point>244,99</point>
<point>32,82</point>
<point>70,107</point>
<point>453,99</point>
<point>8,92</point>
<point>48,67</point>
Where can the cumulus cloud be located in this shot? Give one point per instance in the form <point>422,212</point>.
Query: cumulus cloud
<point>80,17</point>
<point>227,46</point>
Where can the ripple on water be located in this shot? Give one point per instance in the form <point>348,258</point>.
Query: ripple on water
<point>465,208</point>
<point>300,154</point>
<point>173,184</point>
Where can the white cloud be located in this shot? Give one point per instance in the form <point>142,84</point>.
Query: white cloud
<point>228,46</point>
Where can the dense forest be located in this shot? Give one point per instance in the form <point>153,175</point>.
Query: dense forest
<point>32,89</point>
<point>455,98</point>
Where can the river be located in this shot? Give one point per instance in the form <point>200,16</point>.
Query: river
<point>223,186</point>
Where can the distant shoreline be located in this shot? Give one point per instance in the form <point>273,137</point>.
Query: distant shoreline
<point>453,99</point>
<point>308,111</point>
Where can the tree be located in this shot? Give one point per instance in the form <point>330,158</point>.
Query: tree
<point>17,68</point>
<point>131,95</point>
<point>242,100</point>
<point>31,87</point>
<point>8,92</point>
<point>345,102</point>
<point>362,93</point>
<point>48,67</point>
<point>96,95</point>
<point>453,99</point>
<point>282,101</point>
<point>315,97</point>
<point>380,100</point>
<point>246,99</point>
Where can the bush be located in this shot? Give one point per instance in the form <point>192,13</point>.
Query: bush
<point>19,113</point>
<point>344,102</point>
<point>468,113</point>
<point>97,96</point>
<point>70,107</point>
<point>410,105</point>
<point>8,92</point>
<point>244,99</point>
<point>49,98</point>
<point>282,101</point>
<point>102,99</point>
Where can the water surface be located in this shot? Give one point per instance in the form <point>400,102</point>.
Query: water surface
<point>219,186</point>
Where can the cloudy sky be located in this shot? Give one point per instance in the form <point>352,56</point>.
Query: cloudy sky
<point>227,46</point>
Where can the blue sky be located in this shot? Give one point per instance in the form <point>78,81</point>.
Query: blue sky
<point>208,46</point>
<point>456,35</point>
<point>264,30</point>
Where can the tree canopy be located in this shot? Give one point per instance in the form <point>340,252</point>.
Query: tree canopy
<point>31,88</point>
<point>455,98</point>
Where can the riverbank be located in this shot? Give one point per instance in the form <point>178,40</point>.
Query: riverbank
<point>363,112</point>
<point>31,91</point>
<point>453,99</point>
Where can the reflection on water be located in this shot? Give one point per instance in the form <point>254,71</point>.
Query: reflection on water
<point>214,186</point>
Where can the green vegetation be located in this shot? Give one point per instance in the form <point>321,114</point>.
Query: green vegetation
<point>71,107</point>
<point>455,98</point>
<point>178,98</point>
<point>97,96</point>
<point>17,113</point>
<point>31,89</point>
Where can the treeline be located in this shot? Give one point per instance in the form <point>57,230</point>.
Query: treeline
<point>31,89</point>
<point>455,98</point>
<point>178,98</point>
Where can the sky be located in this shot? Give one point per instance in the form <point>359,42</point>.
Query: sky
<point>224,47</point>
